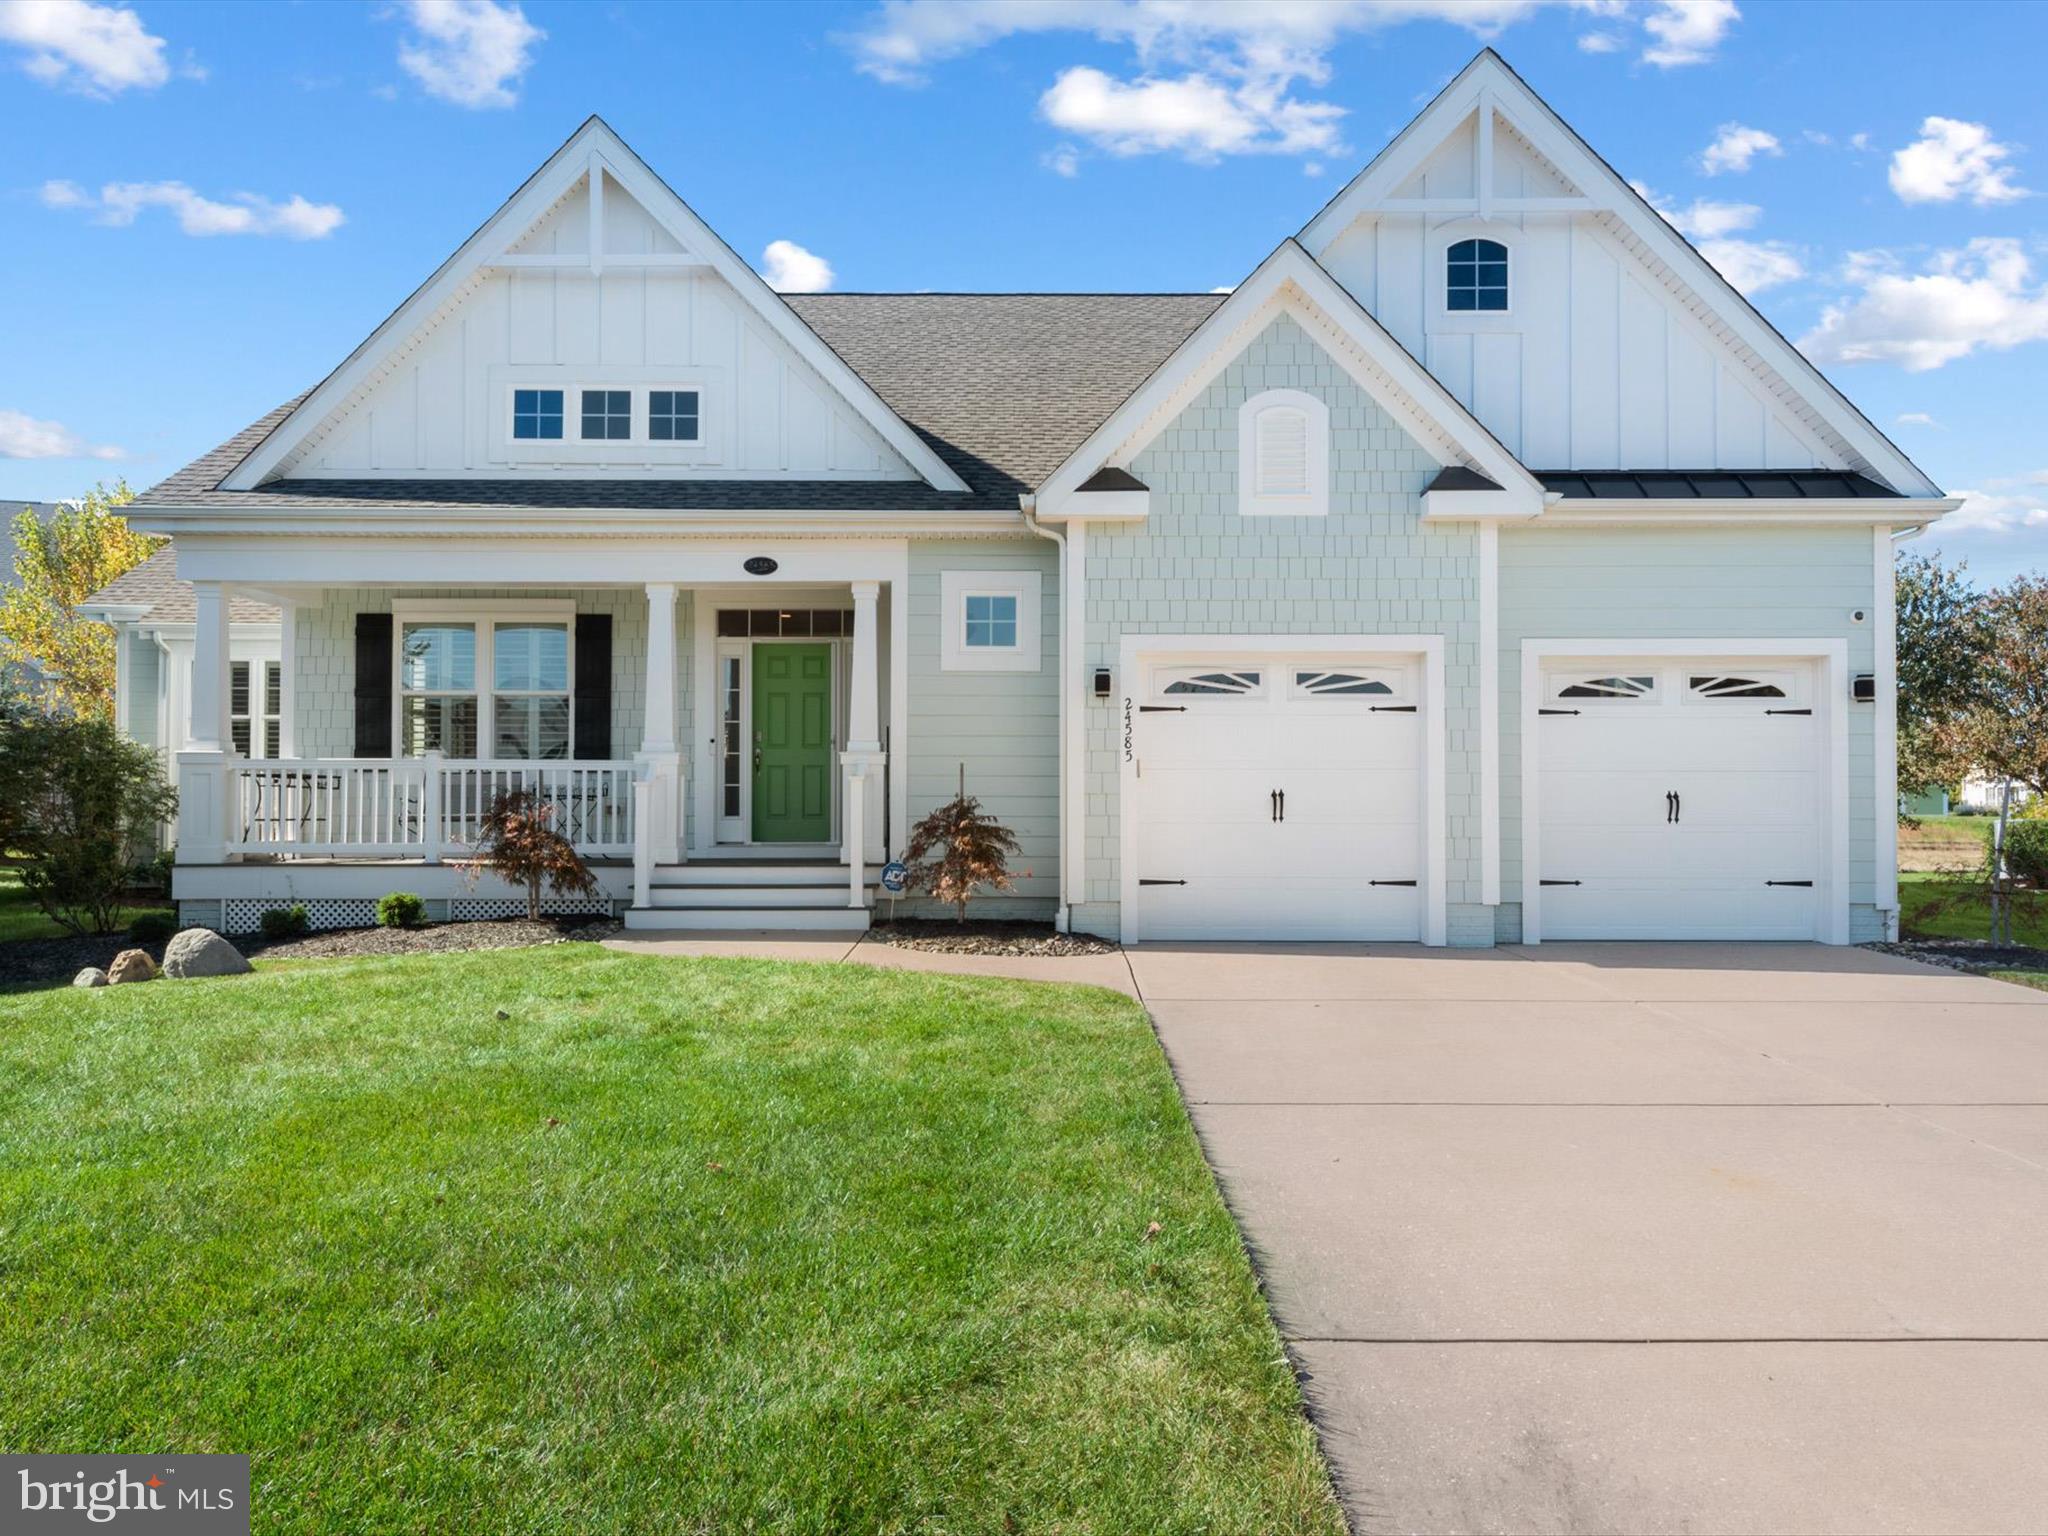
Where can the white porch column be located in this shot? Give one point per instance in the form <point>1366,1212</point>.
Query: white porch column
<point>659,754</point>
<point>205,766</point>
<point>863,758</point>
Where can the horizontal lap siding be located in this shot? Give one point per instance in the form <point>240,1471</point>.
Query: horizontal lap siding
<point>1003,726</point>
<point>1685,583</point>
<point>145,683</point>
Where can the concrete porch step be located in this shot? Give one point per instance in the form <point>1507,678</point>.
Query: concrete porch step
<point>756,872</point>
<point>812,893</point>
<point>839,919</point>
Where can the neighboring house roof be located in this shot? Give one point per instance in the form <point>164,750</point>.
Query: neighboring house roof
<point>1002,385</point>
<point>1712,484</point>
<point>154,587</point>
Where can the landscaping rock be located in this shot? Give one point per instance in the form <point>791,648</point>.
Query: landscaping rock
<point>91,976</point>
<point>202,952</point>
<point>131,965</point>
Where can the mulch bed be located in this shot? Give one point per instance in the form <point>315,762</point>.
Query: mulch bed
<point>53,962</point>
<point>942,936</point>
<point>1975,955</point>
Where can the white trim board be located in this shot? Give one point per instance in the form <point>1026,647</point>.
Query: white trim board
<point>1831,693</point>
<point>1135,651</point>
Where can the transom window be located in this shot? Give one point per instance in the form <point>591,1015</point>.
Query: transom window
<point>1476,275</point>
<point>991,619</point>
<point>799,623</point>
<point>672,415</point>
<point>1210,683</point>
<point>607,415</point>
<point>536,413</point>
<point>255,706</point>
<point>1609,688</point>
<point>502,683</point>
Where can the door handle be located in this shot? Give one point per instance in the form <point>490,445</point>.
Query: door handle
<point>1677,807</point>
<point>1272,805</point>
<point>1283,804</point>
<point>1670,807</point>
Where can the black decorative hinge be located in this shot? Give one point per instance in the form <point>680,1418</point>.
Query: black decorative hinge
<point>1162,709</point>
<point>1560,882</point>
<point>1162,882</point>
<point>1788,711</point>
<point>1789,882</point>
<point>1557,711</point>
<point>1390,882</point>
<point>1393,709</point>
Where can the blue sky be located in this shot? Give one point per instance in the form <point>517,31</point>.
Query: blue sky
<point>208,206</point>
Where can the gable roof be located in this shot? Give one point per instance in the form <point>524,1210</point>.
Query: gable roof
<point>1290,280</point>
<point>591,154</point>
<point>1489,84</point>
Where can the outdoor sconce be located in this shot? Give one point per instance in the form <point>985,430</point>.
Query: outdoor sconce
<point>1102,682</point>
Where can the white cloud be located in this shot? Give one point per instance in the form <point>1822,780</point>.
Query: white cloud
<point>1997,511</point>
<point>1687,31</point>
<point>789,268</point>
<point>1749,265</point>
<point>1859,141</point>
<point>1705,219</point>
<point>1601,42</point>
<point>471,52</point>
<point>1735,146</point>
<point>121,202</point>
<point>1915,419</point>
<point>1195,115</point>
<point>100,50</point>
<point>22,436</point>
<point>1981,296</point>
<point>1063,160</point>
<point>1226,288</point>
<point>1953,159</point>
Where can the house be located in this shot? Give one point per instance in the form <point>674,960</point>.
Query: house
<point>1481,568</point>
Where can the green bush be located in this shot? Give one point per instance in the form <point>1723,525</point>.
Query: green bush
<point>401,909</point>
<point>154,872</point>
<point>153,927</point>
<point>285,922</point>
<point>2026,851</point>
<point>79,802</point>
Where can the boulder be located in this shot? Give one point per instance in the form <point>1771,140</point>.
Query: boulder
<point>131,965</point>
<point>91,976</point>
<point>202,952</point>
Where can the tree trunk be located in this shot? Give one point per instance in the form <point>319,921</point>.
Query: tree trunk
<point>533,898</point>
<point>2001,916</point>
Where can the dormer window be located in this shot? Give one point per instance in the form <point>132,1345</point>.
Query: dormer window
<point>1476,275</point>
<point>1283,455</point>
<point>607,415</point>
<point>536,413</point>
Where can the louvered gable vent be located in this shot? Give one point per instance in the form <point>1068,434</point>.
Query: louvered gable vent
<point>1283,451</point>
<point>1283,455</point>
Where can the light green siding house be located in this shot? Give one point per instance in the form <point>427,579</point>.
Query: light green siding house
<point>1481,569</point>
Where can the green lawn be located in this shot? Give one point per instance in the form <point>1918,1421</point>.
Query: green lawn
<point>688,1246</point>
<point>21,918</point>
<point>1952,907</point>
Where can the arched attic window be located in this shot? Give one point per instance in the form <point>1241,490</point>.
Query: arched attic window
<point>1476,275</point>
<point>1283,455</point>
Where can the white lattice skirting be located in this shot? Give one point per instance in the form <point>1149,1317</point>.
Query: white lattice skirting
<point>238,915</point>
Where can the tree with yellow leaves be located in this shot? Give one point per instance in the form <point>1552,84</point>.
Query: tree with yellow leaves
<point>57,566</point>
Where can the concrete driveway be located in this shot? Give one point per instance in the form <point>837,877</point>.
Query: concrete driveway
<point>1640,1238</point>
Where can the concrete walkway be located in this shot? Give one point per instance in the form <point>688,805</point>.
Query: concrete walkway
<point>1624,1237</point>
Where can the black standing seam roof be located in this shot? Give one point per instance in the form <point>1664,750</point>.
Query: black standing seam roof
<point>1712,484</point>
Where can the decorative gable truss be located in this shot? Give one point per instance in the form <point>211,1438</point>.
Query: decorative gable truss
<point>594,276</point>
<point>1095,481</point>
<point>1620,346</point>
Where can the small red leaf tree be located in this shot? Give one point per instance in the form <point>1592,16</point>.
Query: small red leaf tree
<point>517,840</point>
<point>958,848</point>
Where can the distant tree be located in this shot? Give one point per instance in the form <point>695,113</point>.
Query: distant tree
<point>1944,638</point>
<point>57,565</point>
<point>517,840</point>
<point>2005,736</point>
<point>958,848</point>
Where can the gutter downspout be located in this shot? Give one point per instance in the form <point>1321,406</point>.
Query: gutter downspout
<point>1027,503</point>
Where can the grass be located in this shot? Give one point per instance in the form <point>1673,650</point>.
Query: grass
<point>688,1246</point>
<point>21,918</point>
<point>1958,907</point>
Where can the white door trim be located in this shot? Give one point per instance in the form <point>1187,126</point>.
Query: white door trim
<point>1831,694</point>
<point>1136,652</point>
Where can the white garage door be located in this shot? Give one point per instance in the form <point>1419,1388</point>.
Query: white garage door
<point>1679,799</point>
<point>1280,798</point>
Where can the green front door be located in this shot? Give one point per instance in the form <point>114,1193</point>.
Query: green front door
<point>792,743</point>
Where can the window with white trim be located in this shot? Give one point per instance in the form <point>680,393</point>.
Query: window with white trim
<point>991,621</point>
<point>255,707</point>
<point>1475,276</point>
<point>473,681</point>
<point>1283,455</point>
<point>536,413</point>
<point>438,704</point>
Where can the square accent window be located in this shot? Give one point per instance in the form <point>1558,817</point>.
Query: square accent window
<point>536,413</point>
<point>607,415</point>
<point>991,621</point>
<point>672,415</point>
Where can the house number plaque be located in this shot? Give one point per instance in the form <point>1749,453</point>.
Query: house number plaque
<point>760,565</point>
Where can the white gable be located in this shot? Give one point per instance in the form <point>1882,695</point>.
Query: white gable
<point>629,293</point>
<point>1620,348</point>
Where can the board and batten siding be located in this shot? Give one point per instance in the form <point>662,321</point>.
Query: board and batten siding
<point>1195,566</point>
<point>1686,583</point>
<point>1003,726</point>
<point>429,411</point>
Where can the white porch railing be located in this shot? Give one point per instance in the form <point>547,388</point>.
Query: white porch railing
<point>422,808</point>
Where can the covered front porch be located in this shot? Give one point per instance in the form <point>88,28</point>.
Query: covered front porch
<point>718,746</point>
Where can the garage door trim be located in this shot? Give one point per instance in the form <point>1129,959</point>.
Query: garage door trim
<point>1830,659</point>
<point>1139,653</point>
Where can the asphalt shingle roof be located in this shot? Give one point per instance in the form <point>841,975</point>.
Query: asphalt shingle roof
<point>155,583</point>
<point>1002,385</point>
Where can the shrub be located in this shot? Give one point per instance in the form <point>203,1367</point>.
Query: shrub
<point>153,927</point>
<point>286,922</point>
<point>154,872</point>
<point>81,802</point>
<point>977,851</point>
<point>2026,851</point>
<point>401,909</point>
<point>517,840</point>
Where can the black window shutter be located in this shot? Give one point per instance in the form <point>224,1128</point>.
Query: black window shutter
<point>373,685</point>
<point>593,686</point>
